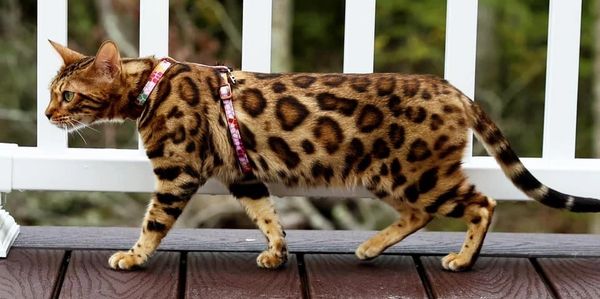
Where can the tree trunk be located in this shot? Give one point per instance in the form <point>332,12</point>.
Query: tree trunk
<point>281,40</point>
<point>110,22</point>
<point>595,221</point>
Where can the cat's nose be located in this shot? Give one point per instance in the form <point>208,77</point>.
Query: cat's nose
<point>48,114</point>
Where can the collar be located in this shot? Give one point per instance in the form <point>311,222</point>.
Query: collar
<point>157,73</point>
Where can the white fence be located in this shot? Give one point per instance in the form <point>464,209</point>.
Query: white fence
<point>53,166</point>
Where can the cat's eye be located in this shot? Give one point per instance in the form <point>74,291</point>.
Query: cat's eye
<point>68,96</point>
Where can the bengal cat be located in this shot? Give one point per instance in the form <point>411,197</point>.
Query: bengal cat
<point>400,136</point>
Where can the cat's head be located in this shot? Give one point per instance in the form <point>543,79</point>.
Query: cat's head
<point>86,87</point>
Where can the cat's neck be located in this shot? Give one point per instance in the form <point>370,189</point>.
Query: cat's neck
<point>135,74</point>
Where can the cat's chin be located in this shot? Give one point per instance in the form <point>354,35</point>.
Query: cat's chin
<point>112,121</point>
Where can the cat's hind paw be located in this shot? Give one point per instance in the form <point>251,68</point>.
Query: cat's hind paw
<point>367,251</point>
<point>126,260</point>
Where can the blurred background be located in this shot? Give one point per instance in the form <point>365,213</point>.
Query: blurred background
<point>308,37</point>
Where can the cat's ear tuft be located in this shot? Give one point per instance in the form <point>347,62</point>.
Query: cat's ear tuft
<point>108,59</point>
<point>68,56</point>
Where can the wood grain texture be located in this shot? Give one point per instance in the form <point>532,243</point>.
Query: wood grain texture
<point>422,243</point>
<point>573,278</point>
<point>235,275</point>
<point>344,276</point>
<point>89,276</point>
<point>489,278</point>
<point>29,273</point>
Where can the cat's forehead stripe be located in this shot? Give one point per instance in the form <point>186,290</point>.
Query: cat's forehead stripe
<point>69,69</point>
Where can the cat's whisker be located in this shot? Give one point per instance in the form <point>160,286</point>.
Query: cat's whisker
<point>86,126</point>
<point>76,130</point>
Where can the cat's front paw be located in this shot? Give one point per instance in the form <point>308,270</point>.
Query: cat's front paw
<point>456,262</point>
<point>126,260</point>
<point>367,251</point>
<point>271,259</point>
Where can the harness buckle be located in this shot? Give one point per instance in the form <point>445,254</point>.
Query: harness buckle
<point>225,91</point>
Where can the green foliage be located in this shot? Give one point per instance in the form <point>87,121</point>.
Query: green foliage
<point>77,208</point>
<point>318,36</point>
<point>410,36</point>
<point>511,65</point>
<point>585,101</point>
<point>17,52</point>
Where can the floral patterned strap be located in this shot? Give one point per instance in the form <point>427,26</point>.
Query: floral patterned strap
<point>226,96</point>
<point>155,76</point>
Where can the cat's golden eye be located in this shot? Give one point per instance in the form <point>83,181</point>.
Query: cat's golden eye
<point>68,96</point>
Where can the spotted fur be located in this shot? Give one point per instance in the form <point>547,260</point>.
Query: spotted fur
<point>400,136</point>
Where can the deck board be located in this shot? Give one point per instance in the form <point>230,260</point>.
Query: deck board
<point>235,275</point>
<point>344,276</point>
<point>304,241</point>
<point>573,278</point>
<point>89,276</point>
<point>29,273</point>
<point>490,278</point>
<point>69,263</point>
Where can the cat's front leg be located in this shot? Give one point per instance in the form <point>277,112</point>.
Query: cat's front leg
<point>176,185</point>
<point>253,195</point>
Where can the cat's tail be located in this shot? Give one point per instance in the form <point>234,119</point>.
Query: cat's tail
<point>498,146</point>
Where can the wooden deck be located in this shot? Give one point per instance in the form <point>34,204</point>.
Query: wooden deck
<point>71,262</point>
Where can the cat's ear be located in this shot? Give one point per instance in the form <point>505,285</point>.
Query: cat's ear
<point>68,56</point>
<point>108,59</point>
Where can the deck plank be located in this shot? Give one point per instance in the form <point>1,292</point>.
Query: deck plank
<point>29,273</point>
<point>89,276</point>
<point>344,276</point>
<point>235,275</point>
<point>302,241</point>
<point>573,278</point>
<point>489,278</point>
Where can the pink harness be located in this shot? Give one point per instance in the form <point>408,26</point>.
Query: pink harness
<point>226,95</point>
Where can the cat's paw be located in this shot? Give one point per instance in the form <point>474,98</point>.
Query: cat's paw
<point>126,260</point>
<point>270,259</point>
<point>456,262</point>
<point>367,250</point>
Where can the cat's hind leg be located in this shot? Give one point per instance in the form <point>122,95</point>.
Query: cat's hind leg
<point>476,209</point>
<point>253,195</point>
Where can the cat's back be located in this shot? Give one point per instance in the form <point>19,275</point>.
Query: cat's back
<point>331,122</point>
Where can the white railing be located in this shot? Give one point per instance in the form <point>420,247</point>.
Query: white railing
<point>52,165</point>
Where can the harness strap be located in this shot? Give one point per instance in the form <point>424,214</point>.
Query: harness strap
<point>226,95</point>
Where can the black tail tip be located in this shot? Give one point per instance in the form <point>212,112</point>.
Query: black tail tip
<point>577,204</point>
<point>585,204</point>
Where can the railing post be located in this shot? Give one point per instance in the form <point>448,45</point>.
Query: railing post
<point>562,74</point>
<point>359,36</point>
<point>256,35</point>
<point>7,151</point>
<point>154,32</point>
<point>9,230</point>
<point>8,227</point>
<point>461,49</point>
<point>51,24</point>
<point>154,28</point>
